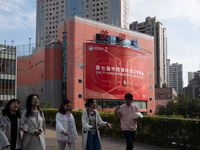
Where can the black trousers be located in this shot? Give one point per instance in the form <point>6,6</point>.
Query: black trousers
<point>129,136</point>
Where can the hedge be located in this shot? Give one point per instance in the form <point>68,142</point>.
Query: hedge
<point>169,132</point>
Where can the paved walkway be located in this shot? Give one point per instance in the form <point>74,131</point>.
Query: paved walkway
<point>107,143</point>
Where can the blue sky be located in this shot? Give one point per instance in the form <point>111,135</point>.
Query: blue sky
<point>180,17</point>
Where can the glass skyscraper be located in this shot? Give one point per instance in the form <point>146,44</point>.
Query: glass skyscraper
<point>50,14</point>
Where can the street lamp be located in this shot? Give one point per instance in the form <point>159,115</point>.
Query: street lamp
<point>29,46</point>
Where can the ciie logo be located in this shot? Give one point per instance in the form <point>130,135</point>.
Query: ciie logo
<point>100,48</point>
<point>90,48</point>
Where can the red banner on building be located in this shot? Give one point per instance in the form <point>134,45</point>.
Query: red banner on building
<point>112,71</point>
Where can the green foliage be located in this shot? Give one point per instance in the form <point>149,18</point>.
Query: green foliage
<point>182,106</point>
<point>44,104</point>
<point>170,132</point>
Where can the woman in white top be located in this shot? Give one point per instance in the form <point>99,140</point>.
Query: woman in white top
<point>91,120</point>
<point>65,126</point>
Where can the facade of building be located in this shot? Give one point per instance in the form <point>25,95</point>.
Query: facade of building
<point>164,95</point>
<point>41,73</point>
<point>94,60</point>
<point>168,75</point>
<point>51,13</point>
<point>193,88</point>
<point>192,75</point>
<point>176,77</point>
<point>155,28</point>
<point>8,71</point>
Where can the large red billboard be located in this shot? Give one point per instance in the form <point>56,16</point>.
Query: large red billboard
<point>112,71</point>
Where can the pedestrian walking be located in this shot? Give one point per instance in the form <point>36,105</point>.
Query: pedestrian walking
<point>91,121</point>
<point>128,114</point>
<point>10,137</point>
<point>65,126</point>
<point>33,125</point>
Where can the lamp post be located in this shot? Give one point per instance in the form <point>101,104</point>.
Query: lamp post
<point>29,46</point>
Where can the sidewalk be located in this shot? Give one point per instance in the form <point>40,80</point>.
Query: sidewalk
<point>106,143</point>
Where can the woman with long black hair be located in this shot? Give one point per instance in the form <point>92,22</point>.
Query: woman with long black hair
<point>91,121</point>
<point>33,124</point>
<point>65,126</point>
<point>10,126</point>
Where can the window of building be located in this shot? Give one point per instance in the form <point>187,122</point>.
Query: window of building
<point>79,95</point>
<point>79,80</point>
<point>150,111</point>
<point>150,98</point>
<point>80,66</point>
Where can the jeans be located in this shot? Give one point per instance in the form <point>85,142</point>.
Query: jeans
<point>129,136</point>
<point>93,142</point>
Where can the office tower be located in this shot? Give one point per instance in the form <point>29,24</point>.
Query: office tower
<point>168,75</point>
<point>193,88</point>
<point>155,28</point>
<point>7,73</point>
<point>192,75</point>
<point>50,14</point>
<point>176,77</point>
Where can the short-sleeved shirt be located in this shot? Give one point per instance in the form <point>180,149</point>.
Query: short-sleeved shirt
<point>127,117</point>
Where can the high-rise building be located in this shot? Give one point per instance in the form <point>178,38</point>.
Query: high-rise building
<point>98,60</point>
<point>7,73</point>
<point>155,28</point>
<point>176,77</point>
<point>50,14</point>
<point>192,75</point>
<point>193,88</point>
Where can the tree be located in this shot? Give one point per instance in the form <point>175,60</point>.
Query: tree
<point>181,106</point>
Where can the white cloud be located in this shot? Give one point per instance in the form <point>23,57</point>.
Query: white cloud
<point>166,9</point>
<point>16,14</point>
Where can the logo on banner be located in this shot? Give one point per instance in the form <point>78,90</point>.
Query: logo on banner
<point>90,48</point>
